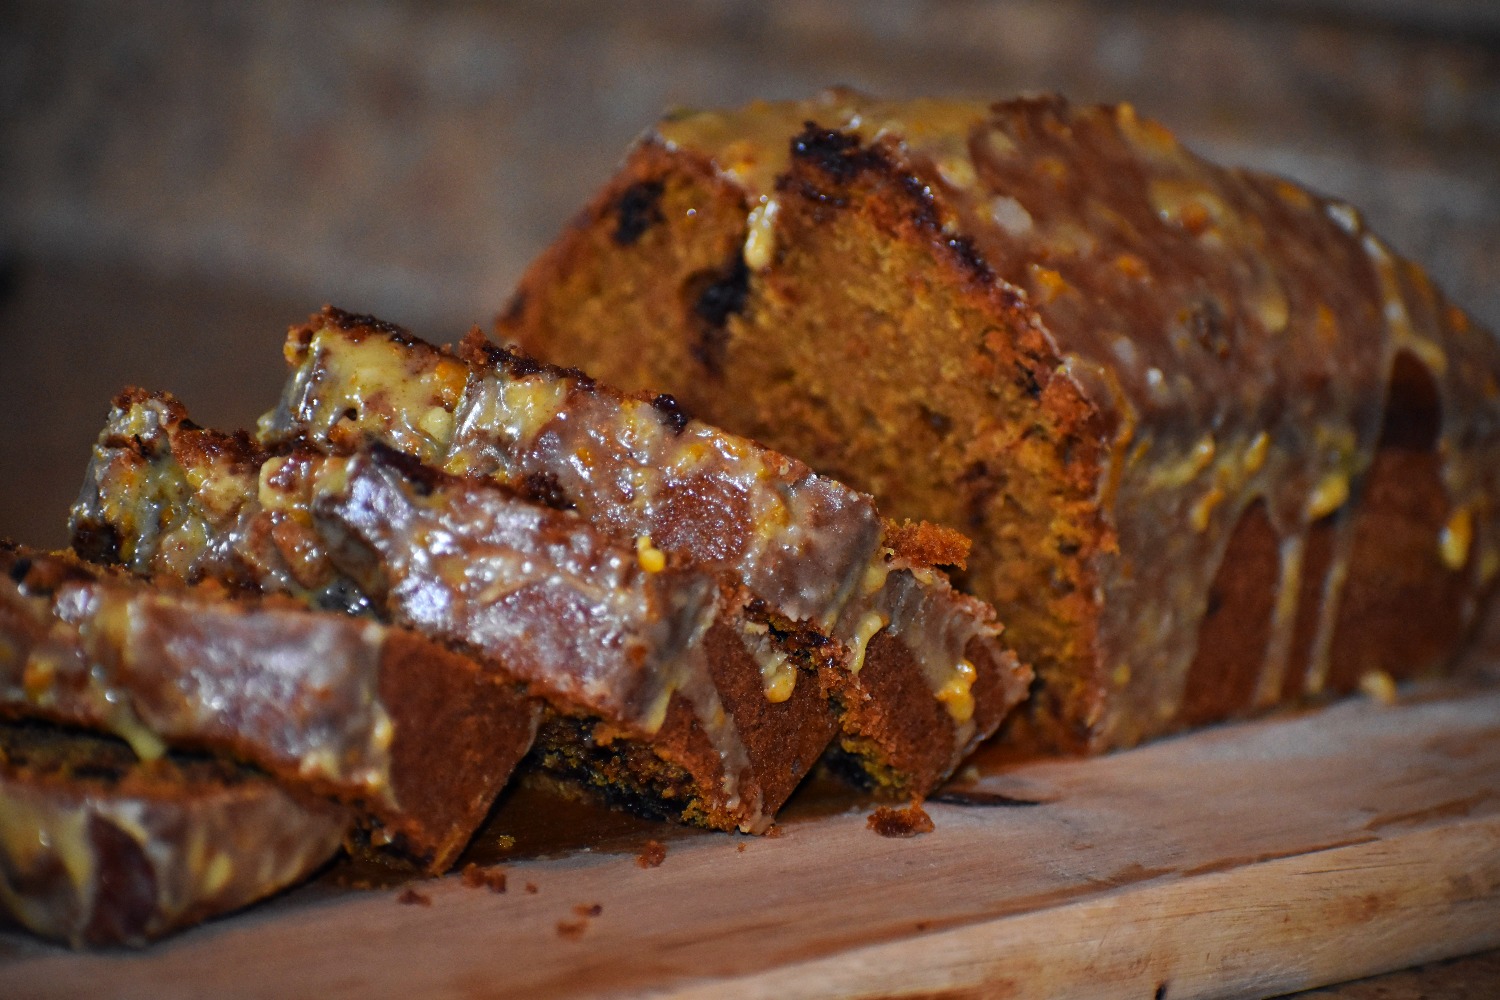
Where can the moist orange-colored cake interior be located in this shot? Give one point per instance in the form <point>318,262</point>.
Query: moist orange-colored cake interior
<point>682,235</point>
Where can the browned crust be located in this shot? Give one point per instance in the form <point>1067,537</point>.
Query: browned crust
<point>908,736</point>
<point>783,740</point>
<point>1235,630</point>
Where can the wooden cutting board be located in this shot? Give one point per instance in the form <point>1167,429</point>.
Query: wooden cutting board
<point>1244,860</point>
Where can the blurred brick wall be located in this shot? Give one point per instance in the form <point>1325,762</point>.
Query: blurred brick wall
<point>179,181</point>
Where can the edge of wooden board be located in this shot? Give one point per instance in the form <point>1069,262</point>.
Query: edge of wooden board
<point>1279,926</point>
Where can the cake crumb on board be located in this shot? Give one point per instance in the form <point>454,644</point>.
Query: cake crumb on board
<point>572,930</point>
<point>475,877</point>
<point>889,821</point>
<point>653,853</point>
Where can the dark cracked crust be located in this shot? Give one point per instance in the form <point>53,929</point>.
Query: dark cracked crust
<point>1172,403</point>
<point>98,848</point>
<point>815,552</point>
<point>418,738</point>
<point>664,657</point>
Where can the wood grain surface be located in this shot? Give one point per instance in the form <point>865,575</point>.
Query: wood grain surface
<point>1247,860</point>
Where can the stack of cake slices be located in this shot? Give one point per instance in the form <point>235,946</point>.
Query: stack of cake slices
<point>428,571</point>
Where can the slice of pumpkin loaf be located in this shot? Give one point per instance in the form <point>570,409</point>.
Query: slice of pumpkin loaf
<point>98,847</point>
<point>680,724</point>
<point>668,693</point>
<point>419,739</point>
<point>1216,444</point>
<point>914,668</point>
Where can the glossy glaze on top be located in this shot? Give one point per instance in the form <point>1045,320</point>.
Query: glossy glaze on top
<point>327,704</point>
<point>526,586</point>
<point>294,692</point>
<point>639,468</point>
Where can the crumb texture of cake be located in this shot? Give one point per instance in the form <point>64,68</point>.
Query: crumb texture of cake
<point>1217,445</point>
<point>421,739</point>
<point>812,553</point>
<point>100,848</point>
<point>911,821</point>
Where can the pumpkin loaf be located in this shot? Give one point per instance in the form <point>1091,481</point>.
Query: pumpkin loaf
<point>1217,445</point>
<point>667,691</point>
<point>98,847</point>
<point>417,738</point>
<point>913,668</point>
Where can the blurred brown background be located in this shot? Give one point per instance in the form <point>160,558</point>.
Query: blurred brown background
<point>179,181</point>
